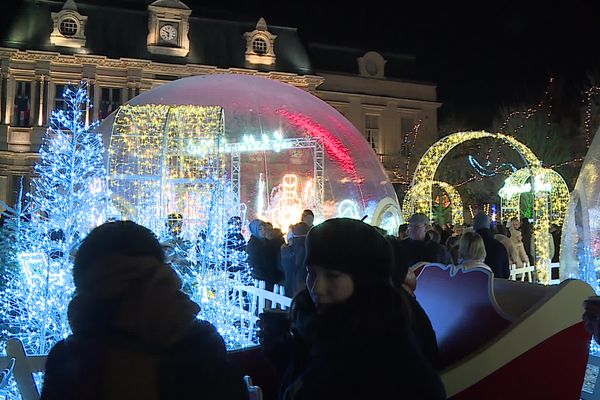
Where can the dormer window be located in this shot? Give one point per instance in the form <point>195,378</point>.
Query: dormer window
<point>260,45</point>
<point>69,26</point>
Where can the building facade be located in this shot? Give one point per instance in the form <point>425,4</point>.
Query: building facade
<point>123,51</point>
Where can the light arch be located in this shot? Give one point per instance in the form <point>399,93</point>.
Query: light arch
<point>547,180</point>
<point>456,204</point>
<point>429,163</point>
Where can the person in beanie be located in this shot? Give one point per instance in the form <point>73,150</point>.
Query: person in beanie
<point>350,335</point>
<point>496,255</point>
<point>135,333</point>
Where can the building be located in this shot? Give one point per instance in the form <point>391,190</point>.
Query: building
<point>122,51</point>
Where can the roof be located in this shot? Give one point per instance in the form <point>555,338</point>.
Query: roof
<point>331,58</point>
<point>122,33</point>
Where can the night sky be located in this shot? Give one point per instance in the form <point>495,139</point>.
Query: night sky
<point>481,56</point>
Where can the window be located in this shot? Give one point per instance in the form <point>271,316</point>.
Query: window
<point>110,100</point>
<point>68,27</point>
<point>259,46</point>
<point>406,130</point>
<point>22,104</point>
<point>372,131</point>
<point>59,102</point>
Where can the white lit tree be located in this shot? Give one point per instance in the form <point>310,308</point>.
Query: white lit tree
<point>68,199</point>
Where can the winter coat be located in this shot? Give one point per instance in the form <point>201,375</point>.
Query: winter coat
<point>496,255</point>
<point>517,239</point>
<point>409,252</point>
<point>509,246</point>
<point>356,351</point>
<point>292,264</point>
<point>136,336</point>
<point>263,258</point>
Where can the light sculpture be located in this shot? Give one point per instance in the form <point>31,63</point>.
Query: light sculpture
<point>412,201</point>
<point>68,200</point>
<point>423,179</point>
<point>170,160</point>
<point>547,181</point>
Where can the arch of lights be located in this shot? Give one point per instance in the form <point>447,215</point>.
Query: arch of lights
<point>547,180</point>
<point>420,200</point>
<point>411,203</point>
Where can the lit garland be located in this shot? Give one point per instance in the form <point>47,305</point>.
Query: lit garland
<point>67,201</point>
<point>587,123</point>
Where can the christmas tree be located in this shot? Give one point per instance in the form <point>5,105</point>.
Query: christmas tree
<point>67,198</point>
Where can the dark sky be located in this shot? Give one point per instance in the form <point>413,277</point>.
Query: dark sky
<point>482,54</point>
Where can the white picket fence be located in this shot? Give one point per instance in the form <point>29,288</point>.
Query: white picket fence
<point>252,301</point>
<point>527,273</point>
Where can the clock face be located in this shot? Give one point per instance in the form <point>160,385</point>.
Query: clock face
<point>168,33</point>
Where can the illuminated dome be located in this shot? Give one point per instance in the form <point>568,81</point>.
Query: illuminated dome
<point>580,244</point>
<point>294,151</point>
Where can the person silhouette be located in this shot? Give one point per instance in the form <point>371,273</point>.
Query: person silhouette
<point>135,333</point>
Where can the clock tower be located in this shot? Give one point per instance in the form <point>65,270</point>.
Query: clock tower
<point>168,27</point>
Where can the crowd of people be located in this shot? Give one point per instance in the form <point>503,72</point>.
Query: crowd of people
<point>355,329</point>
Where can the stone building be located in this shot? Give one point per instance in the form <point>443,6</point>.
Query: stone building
<point>122,51</point>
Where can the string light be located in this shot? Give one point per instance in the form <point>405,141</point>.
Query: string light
<point>66,202</point>
<point>170,159</point>
<point>547,180</point>
<point>423,180</point>
<point>587,122</point>
<point>485,171</point>
<point>413,203</point>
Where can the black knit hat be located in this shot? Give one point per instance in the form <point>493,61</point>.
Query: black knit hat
<point>124,238</point>
<point>350,246</point>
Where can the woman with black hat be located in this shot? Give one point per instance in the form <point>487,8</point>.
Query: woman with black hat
<point>350,334</point>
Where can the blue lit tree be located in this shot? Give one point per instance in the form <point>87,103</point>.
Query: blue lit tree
<point>68,197</point>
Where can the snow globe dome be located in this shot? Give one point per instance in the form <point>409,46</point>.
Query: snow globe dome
<point>288,150</point>
<point>580,239</point>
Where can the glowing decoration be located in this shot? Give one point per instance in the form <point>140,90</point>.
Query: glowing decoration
<point>249,143</point>
<point>314,140</point>
<point>333,145</point>
<point>547,181</point>
<point>412,202</point>
<point>348,209</point>
<point>260,198</point>
<point>67,201</point>
<point>286,205</point>
<point>150,170</point>
<point>420,200</point>
<point>580,244</point>
<point>485,170</point>
<point>387,215</point>
<point>167,172</point>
